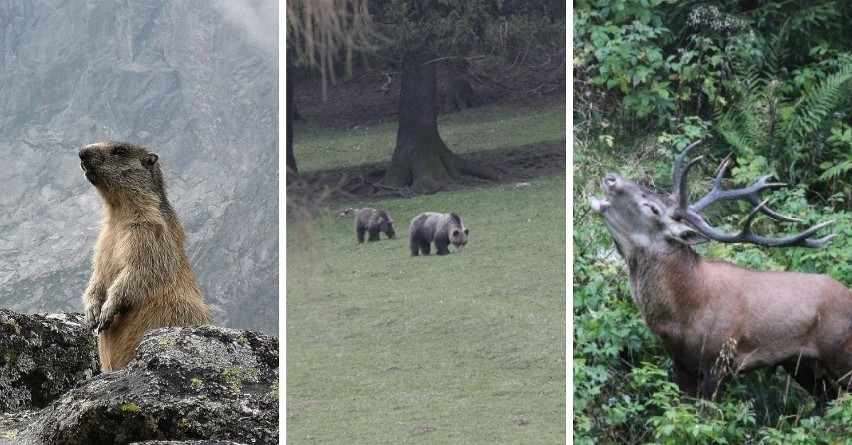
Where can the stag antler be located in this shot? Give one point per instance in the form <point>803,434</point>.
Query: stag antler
<point>691,213</point>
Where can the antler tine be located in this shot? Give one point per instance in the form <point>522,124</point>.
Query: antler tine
<point>801,239</point>
<point>681,194</point>
<point>750,194</point>
<point>678,176</point>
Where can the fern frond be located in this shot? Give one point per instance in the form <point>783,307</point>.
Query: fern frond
<point>836,171</point>
<point>742,129</point>
<point>812,111</point>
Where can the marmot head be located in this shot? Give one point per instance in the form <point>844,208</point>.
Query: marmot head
<point>119,167</point>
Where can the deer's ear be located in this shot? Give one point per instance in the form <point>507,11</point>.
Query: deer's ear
<point>682,233</point>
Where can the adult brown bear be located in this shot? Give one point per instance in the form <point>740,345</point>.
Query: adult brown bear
<point>442,228</point>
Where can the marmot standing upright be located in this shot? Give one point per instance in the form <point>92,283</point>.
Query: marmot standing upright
<point>141,277</point>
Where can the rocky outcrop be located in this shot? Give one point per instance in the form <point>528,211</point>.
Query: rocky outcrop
<point>198,384</point>
<point>42,357</point>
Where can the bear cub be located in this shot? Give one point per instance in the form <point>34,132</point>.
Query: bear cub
<point>371,221</point>
<point>442,228</point>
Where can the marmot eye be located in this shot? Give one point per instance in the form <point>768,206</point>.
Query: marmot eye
<point>119,151</point>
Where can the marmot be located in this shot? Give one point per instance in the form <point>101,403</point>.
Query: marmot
<point>141,277</point>
<point>442,228</point>
<point>371,221</point>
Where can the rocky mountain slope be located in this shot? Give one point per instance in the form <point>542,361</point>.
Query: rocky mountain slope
<point>197,82</point>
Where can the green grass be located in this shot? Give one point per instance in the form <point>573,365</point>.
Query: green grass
<point>472,130</point>
<point>465,348</point>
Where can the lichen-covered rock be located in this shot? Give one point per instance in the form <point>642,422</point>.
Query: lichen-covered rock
<point>41,357</point>
<point>203,384</point>
<point>186,442</point>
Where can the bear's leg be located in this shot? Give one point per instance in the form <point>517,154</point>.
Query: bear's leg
<point>374,235</point>
<point>414,244</point>
<point>359,232</point>
<point>425,247</point>
<point>442,248</point>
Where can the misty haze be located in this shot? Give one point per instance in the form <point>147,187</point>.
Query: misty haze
<point>194,81</point>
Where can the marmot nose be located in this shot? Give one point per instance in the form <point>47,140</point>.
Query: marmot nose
<point>85,157</point>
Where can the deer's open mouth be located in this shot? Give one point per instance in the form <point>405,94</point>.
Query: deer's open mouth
<point>598,205</point>
<point>609,183</point>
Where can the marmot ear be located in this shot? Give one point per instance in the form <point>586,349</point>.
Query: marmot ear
<point>150,160</point>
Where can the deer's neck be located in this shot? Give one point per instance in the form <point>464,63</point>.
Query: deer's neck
<point>664,284</point>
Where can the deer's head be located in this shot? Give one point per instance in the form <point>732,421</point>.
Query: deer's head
<point>639,218</point>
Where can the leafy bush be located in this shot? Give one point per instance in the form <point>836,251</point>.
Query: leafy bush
<point>787,126</point>
<point>762,80</point>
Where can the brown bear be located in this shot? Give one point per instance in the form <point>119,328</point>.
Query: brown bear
<point>371,221</point>
<point>442,228</point>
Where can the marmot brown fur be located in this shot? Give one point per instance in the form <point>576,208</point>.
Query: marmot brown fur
<point>371,221</point>
<point>442,228</point>
<point>141,277</point>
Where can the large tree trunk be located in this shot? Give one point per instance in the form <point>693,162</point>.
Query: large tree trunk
<point>292,172</point>
<point>421,159</point>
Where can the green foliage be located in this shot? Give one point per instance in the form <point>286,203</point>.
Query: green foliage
<point>834,259</point>
<point>620,47</point>
<point>772,81</point>
<point>633,54</point>
<point>834,427</point>
<point>788,130</point>
<point>837,172</point>
<point>699,421</point>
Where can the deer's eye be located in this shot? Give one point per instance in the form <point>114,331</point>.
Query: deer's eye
<point>653,209</point>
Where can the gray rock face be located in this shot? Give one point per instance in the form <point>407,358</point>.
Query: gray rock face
<point>196,81</point>
<point>204,384</point>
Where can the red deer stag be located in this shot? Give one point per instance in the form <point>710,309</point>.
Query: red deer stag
<point>713,317</point>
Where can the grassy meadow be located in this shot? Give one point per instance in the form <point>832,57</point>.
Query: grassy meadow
<point>466,348</point>
<point>468,131</point>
